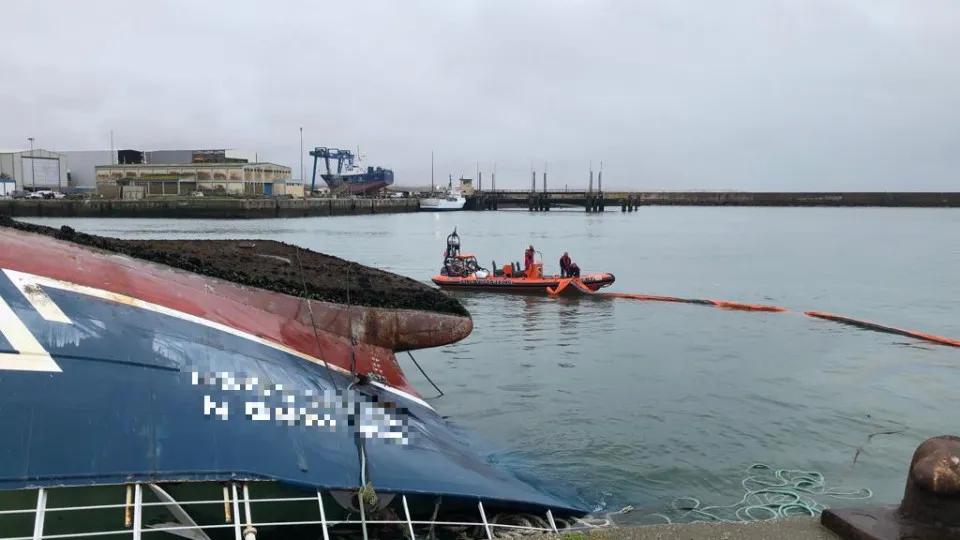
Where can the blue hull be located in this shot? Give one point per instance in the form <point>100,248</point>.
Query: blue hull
<point>361,183</point>
<point>128,396</point>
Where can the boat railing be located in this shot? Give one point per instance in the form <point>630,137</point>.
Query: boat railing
<point>238,512</point>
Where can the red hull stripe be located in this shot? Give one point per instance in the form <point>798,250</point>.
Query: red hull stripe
<point>273,318</point>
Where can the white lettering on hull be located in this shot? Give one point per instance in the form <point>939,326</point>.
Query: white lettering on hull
<point>28,354</point>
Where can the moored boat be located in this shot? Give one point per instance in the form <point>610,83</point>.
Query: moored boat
<point>141,378</point>
<point>349,177</point>
<point>461,271</point>
<point>448,200</point>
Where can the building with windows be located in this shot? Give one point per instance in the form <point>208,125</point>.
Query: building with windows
<point>211,178</point>
<point>82,165</point>
<point>34,170</point>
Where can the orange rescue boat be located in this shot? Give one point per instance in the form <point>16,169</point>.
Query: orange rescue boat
<point>461,271</point>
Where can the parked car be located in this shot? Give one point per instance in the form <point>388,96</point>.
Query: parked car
<point>46,194</point>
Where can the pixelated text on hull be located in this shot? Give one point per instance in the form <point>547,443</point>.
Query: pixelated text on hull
<point>127,382</point>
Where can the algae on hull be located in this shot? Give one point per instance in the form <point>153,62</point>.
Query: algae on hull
<point>273,266</point>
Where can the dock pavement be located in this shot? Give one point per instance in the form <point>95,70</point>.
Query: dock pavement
<point>791,528</point>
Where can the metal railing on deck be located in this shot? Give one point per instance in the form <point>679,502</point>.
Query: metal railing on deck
<point>245,526</point>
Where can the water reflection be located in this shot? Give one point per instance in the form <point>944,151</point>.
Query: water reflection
<point>537,321</point>
<point>532,321</point>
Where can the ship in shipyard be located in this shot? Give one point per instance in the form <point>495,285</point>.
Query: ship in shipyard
<point>349,177</point>
<point>230,389</point>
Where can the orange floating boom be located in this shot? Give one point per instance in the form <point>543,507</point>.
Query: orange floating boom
<point>747,307</point>
<point>719,303</point>
<point>575,282</point>
<point>882,328</point>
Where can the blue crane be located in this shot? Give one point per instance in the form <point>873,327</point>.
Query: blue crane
<point>327,154</point>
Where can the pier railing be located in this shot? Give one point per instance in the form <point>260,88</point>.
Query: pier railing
<point>238,515</point>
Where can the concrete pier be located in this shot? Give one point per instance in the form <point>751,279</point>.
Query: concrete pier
<point>628,201</point>
<point>929,510</point>
<point>204,208</point>
<point>793,528</point>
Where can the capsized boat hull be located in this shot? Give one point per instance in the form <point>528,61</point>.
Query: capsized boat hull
<point>116,370</point>
<point>347,337</point>
<point>525,285</point>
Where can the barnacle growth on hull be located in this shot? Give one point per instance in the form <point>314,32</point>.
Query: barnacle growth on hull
<point>386,309</point>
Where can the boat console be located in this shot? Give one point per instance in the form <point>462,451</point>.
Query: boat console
<point>456,264</point>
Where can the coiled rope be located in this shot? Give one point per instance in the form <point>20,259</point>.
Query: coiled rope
<point>770,493</point>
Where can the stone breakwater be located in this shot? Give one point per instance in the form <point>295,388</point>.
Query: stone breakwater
<point>894,199</point>
<point>204,208</point>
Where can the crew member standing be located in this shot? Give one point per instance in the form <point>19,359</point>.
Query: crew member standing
<point>564,264</point>
<point>528,258</point>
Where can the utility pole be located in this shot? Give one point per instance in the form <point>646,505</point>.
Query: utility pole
<point>600,178</point>
<point>590,189</point>
<point>301,155</point>
<point>33,169</point>
<point>113,155</point>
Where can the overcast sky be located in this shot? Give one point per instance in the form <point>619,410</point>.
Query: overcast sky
<point>670,94</point>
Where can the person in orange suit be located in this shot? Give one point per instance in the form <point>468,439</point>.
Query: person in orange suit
<point>564,264</point>
<point>528,258</point>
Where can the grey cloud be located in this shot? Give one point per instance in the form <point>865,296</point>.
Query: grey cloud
<point>741,94</point>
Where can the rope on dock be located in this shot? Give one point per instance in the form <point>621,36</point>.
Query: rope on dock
<point>769,493</point>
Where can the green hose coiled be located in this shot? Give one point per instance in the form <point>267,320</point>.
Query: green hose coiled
<point>770,493</point>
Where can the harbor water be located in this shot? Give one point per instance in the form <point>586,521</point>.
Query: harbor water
<point>625,402</point>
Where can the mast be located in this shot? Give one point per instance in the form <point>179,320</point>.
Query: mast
<point>432,189</point>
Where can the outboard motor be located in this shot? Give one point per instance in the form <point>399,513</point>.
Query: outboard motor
<point>453,244</point>
<point>450,255</point>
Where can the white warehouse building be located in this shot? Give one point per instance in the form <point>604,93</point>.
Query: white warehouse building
<point>34,170</point>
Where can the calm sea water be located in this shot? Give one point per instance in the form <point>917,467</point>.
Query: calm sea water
<point>629,402</point>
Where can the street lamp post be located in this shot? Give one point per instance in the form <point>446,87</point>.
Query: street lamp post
<point>33,169</point>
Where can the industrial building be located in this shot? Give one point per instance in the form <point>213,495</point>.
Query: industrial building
<point>136,174</point>
<point>34,170</point>
<point>82,164</point>
<point>201,156</point>
<point>81,167</point>
<point>238,178</point>
<point>7,186</point>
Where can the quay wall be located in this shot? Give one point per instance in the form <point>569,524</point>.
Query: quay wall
<point>204,208</point>
<point>901,199</point>
<point>490,200</point>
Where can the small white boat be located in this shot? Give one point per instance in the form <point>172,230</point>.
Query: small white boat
<point>449,200</point>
